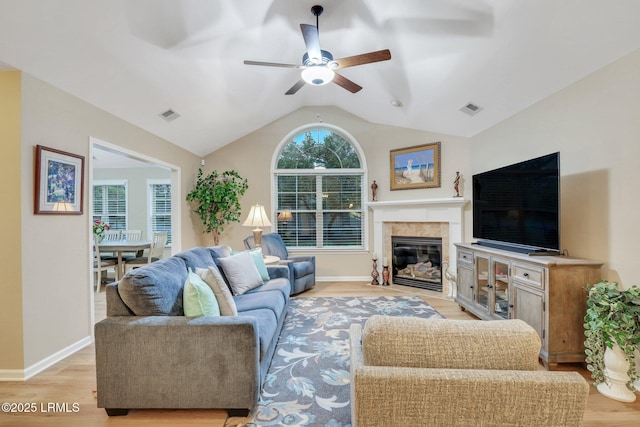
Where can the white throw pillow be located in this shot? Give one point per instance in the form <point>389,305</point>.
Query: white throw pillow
<point>241,272</point>
<point>214,279</point>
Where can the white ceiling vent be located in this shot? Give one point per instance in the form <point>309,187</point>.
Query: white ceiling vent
<point>471,109</point>
<point>169,115</point>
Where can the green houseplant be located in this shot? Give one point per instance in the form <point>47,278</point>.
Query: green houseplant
<point>217,200</point>
<point>612,318</point>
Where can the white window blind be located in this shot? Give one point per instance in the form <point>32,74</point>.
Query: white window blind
<point>319,197</point>
<point>110,203</point>
<point>160,207</point>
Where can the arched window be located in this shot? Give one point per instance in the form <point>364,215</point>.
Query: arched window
<point>319,189</point>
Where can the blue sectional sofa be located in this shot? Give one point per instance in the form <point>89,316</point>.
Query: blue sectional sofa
<point>149,355</point>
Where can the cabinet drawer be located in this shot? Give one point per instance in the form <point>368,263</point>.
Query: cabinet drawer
<point>528,274</point>
<point>465,257</point>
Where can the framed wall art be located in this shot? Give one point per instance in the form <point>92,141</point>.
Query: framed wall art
<point>415,167</point>
<point>59,183</point>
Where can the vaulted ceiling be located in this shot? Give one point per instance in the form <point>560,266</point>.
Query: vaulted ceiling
<point>139,58</point>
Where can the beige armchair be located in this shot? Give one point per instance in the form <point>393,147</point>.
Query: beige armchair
<point>436,372</point>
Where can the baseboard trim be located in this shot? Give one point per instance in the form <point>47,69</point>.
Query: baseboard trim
<point>36,368</point>
<point>343,279</point>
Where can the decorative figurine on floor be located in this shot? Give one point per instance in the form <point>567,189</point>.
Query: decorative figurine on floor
<point>456,184</point>
<point>385,275</point>
<point>374,191</point>
<point>374,273</point>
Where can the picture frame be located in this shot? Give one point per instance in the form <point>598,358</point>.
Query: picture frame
<point>415,167</point>
<point>59,182</point>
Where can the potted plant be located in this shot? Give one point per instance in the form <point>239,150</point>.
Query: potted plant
<point>612,330</point>
<point>217,198</point>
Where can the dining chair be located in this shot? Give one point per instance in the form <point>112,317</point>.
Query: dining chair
<point>155,252</point>
<point>99,264</point>
<point>131,236</point>
<point>111,235</point>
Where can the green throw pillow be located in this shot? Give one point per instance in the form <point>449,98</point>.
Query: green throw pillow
<point>198,298</point>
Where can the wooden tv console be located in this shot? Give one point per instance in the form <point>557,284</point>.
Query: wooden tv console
<point>547,292</point>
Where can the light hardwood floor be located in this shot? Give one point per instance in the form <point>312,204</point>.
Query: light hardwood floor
<point>72,381</point>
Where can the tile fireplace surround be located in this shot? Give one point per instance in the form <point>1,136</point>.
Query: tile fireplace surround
<point>427,217</point>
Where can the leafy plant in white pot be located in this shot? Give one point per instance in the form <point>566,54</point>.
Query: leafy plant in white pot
<point>612,330</point>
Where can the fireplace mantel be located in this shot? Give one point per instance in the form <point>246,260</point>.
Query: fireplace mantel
<point>445,210</point>
<point>453,202</point>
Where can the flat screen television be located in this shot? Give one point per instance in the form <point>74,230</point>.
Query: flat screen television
<point>517,207</point>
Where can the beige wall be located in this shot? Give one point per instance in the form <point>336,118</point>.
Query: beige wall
<point>45,290</point>
<point>56,268</point>
<point>252,157</point>
<point>594,124</point>
<point>11,340</point>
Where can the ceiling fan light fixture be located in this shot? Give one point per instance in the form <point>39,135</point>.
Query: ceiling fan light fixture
<point>317,75</point>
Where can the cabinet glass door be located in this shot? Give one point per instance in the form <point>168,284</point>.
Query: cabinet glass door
<point>482,281</point>
<point>501,288</point>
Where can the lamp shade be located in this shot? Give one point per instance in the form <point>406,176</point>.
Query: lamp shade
<point>257,217</point>
<point>285,215</point>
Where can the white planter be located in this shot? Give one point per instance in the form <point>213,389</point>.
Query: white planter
<point>615,372</point>
<point>636,356</point>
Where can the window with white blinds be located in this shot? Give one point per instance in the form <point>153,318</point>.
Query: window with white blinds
<point>160,207</point>
<point>110,203</point>
<point>319,197</point>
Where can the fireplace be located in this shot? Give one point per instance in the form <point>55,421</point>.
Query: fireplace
<point>417,261</point>
<point>441,218</point>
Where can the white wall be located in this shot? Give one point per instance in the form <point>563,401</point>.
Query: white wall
<point>595,125</point>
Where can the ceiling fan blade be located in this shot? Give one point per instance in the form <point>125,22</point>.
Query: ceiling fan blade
<point>312,41</point>
<point>273,64</point>
<point>346,83</point>
<point>365,58</point>
<point>296,87</point>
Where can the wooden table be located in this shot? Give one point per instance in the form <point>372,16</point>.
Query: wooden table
<point>120,246</point>
<point>271,259</point>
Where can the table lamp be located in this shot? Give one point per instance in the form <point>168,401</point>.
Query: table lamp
<point>285,216</point>
<point>257,218</point>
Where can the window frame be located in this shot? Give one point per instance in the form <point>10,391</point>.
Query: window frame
<point>150,195</point>
<point>111,182</point>
<point>362,171</point>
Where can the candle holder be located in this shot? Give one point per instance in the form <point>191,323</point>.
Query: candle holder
<point>374,273</point>
<point>385,275</point>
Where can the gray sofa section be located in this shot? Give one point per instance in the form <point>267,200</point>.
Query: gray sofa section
<point>149,355</point>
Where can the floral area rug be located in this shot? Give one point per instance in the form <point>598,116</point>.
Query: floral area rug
<point>308,381</point>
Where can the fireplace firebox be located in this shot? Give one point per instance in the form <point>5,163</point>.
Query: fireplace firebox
<point>417,261</point>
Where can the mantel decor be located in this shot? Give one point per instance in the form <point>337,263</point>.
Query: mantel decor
<point>415,167</point>
<point>59,183</point>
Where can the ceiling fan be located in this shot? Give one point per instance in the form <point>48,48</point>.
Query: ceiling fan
<point>318,66</point>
